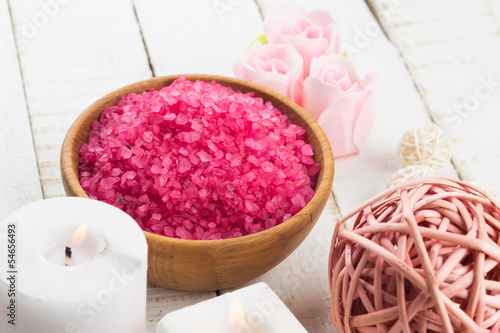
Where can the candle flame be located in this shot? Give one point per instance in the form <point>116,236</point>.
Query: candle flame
<point>237,320</point>
<point>79,235</point>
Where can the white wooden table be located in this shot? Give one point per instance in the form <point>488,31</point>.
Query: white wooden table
<point>437,60</point>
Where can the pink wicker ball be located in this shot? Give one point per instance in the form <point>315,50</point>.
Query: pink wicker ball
<point>420,257</point>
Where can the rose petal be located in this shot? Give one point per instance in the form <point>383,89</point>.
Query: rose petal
<point>347,122</point>
<point>278,16</point>
<point>341,103</point>
<point>278,67</point>
<point>311,34</point>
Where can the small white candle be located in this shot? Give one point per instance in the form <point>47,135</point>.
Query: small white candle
<point>248,310</point>
<point>99,288</point>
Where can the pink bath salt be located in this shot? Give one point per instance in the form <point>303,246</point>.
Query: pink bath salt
<point>298,200</point>
<point>156,217</point>
<point>156,169</point>
<point>267,166</point>
<point>204,156</point>
<point>183,165</point>
<point>182,233</point>
<point>270,223</point>
<point>148,136</point>
<point>197,160</point>
<point>124,152</point>
<point>307,150</point>
<point>108,182</point>
<point>167,231</point>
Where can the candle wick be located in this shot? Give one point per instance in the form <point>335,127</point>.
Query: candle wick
<point>68,254</point>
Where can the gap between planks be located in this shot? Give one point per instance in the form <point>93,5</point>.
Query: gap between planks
<point>16,48</point>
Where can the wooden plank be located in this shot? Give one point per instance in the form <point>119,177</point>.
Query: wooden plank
<point>162,301</point>
<point>197,37</point>
<point>72,53</point>
<point>453,57</point>
<point>494,7</point>
<point>301,280</point>
<point>20,183</point>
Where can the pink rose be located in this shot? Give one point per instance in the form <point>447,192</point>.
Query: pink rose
<point>278,67</point>
<point>342,104</point>
<point>312,34</point>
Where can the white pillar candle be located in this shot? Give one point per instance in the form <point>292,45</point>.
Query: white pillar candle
<point>100,289</point>
<point>248,310</point>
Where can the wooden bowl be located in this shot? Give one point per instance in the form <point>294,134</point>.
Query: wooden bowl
<point>204,265</point>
